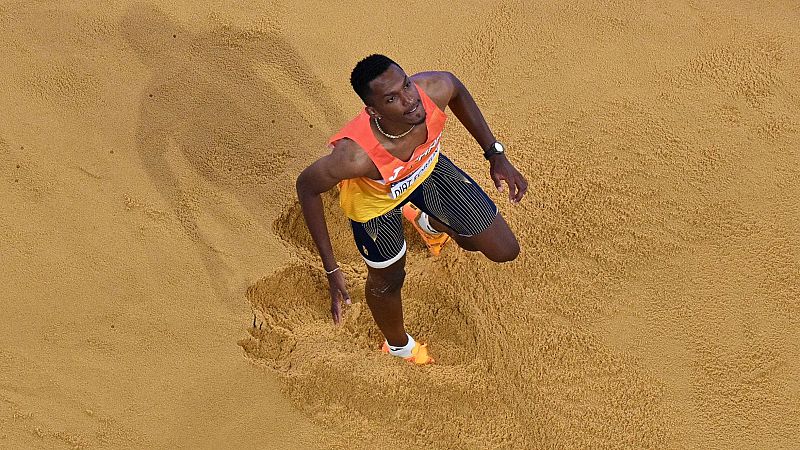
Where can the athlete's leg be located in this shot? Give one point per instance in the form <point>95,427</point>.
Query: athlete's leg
<point>460,240</point>
<point>383,298</point>
<point>383,247</point>
<point>497,242</point>
<point>456,205</point>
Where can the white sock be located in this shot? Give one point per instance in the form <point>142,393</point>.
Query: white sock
<point>404,351</point>
<point>425,224</point>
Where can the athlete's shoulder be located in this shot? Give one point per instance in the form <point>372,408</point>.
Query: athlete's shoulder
<point>347,153</point>
<point>346,148</point>
<point>439,85</point>
<point>345,145</point>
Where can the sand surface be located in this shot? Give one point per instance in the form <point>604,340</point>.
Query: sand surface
<point>148,153</point>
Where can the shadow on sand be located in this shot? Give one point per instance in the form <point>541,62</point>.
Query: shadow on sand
<point>206,102</point>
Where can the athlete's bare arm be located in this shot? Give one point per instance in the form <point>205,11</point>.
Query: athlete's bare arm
<point>447,91</point>
<point>346,160</point>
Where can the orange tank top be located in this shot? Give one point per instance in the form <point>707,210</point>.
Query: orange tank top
<point>364,198</point>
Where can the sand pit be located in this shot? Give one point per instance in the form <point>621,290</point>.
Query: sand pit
<point>148,154</point>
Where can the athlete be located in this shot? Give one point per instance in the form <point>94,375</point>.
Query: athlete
<point>387,163</point>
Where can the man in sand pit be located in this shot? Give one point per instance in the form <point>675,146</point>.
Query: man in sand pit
<point>387,163</point>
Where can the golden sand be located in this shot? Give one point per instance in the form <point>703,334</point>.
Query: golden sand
<point>147,162</point>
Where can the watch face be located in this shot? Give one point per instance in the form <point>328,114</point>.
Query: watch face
<point>495,149</point>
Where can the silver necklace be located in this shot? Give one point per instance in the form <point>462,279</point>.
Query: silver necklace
<point>392,136</point>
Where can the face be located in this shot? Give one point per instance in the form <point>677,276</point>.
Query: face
<point>395,98</point>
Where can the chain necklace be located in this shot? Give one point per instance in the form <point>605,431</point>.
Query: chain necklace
<point>392,136</point>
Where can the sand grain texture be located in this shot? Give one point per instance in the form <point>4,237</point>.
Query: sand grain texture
<point>147,158</point>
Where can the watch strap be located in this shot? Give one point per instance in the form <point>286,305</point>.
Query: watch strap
<point>490,151</point>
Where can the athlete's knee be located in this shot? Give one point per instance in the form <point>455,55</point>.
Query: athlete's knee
<point>386,282</point>
<point>506,253</point>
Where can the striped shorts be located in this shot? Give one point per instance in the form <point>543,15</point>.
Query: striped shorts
<point>448,195</point>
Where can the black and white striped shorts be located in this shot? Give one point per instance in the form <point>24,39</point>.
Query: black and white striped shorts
<point>448,194</point>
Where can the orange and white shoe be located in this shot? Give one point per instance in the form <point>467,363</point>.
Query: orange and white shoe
<point>434,242</point>
<point>419,354</point>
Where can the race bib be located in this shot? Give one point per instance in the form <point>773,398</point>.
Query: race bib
<point>398,188</point>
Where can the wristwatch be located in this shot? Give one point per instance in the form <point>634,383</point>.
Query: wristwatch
<point>495,149</point>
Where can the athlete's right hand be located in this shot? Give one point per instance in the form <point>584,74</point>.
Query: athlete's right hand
<point>337,286</point>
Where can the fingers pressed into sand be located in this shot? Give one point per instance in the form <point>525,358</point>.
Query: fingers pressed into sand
<point>336,312</point>
<point>339,295</point>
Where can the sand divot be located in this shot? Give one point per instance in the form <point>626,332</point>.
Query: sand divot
<point>291,227</point>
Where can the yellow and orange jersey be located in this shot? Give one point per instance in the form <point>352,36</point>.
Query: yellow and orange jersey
<point>363,198</point>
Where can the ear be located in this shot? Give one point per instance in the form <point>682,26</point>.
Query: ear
<point>371,111</point>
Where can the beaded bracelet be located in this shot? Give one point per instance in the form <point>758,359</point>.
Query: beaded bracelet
<point>334,270</point>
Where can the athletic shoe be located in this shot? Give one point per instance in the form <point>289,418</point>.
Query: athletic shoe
<point>434,242</point>
<point>419,354</point>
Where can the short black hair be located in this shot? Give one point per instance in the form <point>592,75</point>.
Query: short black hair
<point>367,70</point>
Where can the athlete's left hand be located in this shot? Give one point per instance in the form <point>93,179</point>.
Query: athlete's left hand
<point>501,170</point>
